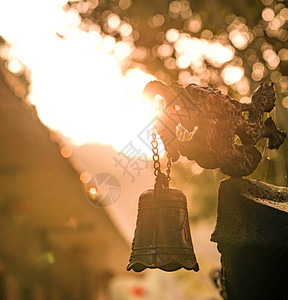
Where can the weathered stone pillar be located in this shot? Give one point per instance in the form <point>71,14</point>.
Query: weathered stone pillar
<point>252,237</point>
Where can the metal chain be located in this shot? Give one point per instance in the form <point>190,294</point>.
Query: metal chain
<point>154,144</point>
<point>156,159</point>
<point>168,170</point>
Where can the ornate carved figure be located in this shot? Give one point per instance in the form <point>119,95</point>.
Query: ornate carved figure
<point>213,129</point>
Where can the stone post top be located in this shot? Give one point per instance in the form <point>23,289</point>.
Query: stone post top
<point>251,212</point>
<point>258,191</point>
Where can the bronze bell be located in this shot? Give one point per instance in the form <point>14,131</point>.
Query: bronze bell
<point>162,236</point>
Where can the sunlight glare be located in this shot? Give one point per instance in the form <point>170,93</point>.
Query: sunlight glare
<point>159,102</point>
<point>77,84</point>
<point>122,50</point>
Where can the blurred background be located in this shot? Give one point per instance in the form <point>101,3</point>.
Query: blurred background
<point>71,79</point>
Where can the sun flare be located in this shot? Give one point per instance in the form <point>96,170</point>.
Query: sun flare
<point>77,84</point>
<point>76,75</point>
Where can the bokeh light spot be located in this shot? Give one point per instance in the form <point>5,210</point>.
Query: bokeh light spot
<point>273,61</point>
<point>140,54</point>
<point>239,39</point>
<point>15,66</point>
<point>195,25</point>
<point>232,74</point>
<point>268,14</point>
<point>267,2</point>
<point>283,54</point>
<point>183,61</point>
<point>124,4</point>
<point>271,57</point>
<point>172,35</point>
<point>258,71</point>
<point>114,21</point>
<point>243,86</point>
<point>85,177</point>
<point>275,76</point>
<point>284,13</point>
<point>170,63</point>
<point>165,50</point>
<point>184,77</point>
<point>122,50</point>
<point>126,29</point>
<point>284,84</point>
<point>66,151</point>
<point>156,21</point>
<point>207,34</point>
<point>285,102</point>
<point>175,7</point>
<point>276,23</point>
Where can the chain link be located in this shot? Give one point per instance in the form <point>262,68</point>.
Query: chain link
<point>169,163</point>
<point>156,160</point>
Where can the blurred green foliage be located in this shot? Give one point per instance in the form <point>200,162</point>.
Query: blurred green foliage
<point>256,32</point>
<point>173,41</point>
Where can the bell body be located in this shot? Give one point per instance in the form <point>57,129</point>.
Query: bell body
<point>162,236</point>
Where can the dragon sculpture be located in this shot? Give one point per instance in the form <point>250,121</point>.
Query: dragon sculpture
<point>214,129</point>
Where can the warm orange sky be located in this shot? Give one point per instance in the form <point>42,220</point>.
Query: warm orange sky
<point>76,81</point>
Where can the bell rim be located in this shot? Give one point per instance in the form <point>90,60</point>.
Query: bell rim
<point>165,267</point>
